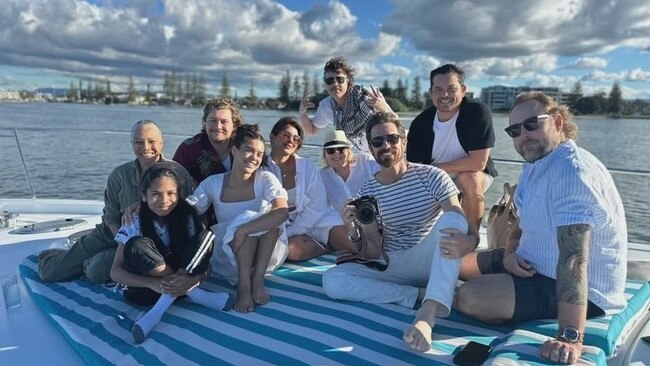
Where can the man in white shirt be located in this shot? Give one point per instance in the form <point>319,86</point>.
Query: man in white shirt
<point>456,135</point>
<point>568,257</point>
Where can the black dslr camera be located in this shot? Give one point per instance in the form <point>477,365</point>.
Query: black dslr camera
<point>367,209</point>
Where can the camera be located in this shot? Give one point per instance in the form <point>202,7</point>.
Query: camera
<point>367,209</point>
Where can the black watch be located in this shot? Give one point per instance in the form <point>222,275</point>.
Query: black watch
<point>570,334</point>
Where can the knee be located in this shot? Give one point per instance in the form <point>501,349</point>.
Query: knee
<point>97,269</point>
<point>467,301</point>
<point>470,183</point>
<point>334,284</point>
<point>452,220</point>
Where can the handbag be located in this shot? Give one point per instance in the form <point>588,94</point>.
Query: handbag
<point>502,219</point>
<point>370,244</point>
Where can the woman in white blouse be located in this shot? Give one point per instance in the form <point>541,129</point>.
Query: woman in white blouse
<point>251,208</point>
<point>313,228</point>
<point>344,173</point>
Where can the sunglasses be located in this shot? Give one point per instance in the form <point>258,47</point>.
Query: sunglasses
<point>330,80</point>
<point>288,136</point>
<point>333,150</point>
<point>530,124</point>
<point>379,140</point>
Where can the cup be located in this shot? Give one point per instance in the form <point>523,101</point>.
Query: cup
<point>10,291</point>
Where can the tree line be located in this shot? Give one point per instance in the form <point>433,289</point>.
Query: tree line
<point>190,89</point>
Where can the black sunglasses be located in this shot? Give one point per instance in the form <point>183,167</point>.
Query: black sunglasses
<point>332,150</point>
<point>330,80</point>
<point>530,124</point>
<point>379,140</point>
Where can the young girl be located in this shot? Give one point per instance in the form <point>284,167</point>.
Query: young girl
<point>164,252</point>
<point>251,207</point>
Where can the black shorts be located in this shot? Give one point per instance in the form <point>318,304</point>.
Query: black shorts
<point>535,297</point>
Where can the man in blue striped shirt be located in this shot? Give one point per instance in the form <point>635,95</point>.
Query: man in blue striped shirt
<point>423,247</point>
<point>567,260</point>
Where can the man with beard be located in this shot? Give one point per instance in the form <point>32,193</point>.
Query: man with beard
<point>567,260</point>
<point>208,152</point>
<point>418,242</point>
<point>456,135</point>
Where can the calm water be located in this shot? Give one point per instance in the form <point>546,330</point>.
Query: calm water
<point>70,149</point>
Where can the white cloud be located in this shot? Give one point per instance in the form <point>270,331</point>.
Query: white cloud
<point>474,29</point>
<point>588,63</point>
<point>396,71</point>
<point>255,39</point>
<point>638,75</point>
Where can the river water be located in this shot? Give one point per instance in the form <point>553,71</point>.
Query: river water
<point>70,149</point>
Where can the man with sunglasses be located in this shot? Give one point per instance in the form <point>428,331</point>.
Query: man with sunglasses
<point>567,260</point>
<point>418,241</point>
<point>348,106</point>
<point>456,135</point>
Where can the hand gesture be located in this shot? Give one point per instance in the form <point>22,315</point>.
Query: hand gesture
<point>559,351</point>
<point>305,103</point>
<point>454,244</point>
<point>517,266</point>
<point>377,101</point>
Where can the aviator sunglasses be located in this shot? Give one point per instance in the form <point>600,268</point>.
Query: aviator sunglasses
<point>333,150</point>
<point>290,137</point>
<point>530,124</point>
<point>330,80</point>
<point>378,141</point>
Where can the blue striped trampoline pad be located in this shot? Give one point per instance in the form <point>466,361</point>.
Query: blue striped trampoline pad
<point>300,326</point>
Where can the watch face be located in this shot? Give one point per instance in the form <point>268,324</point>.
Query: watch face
<point>571,334</point>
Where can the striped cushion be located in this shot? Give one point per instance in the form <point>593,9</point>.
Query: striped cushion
<point>608,332</point>
<point>522,347</point>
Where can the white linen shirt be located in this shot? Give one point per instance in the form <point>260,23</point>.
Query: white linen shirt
<point>340,191</point>
<point>571,186</point>
<point>311,200</point>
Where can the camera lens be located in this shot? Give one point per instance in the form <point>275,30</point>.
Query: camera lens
<point>366,213</point>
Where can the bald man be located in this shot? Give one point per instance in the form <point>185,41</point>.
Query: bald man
<point>92,256</point>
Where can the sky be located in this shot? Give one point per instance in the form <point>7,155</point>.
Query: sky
<point>552,43</point>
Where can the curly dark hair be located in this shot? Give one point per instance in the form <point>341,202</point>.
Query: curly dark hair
<point>337,64</point>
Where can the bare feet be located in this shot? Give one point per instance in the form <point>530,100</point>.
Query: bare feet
<point>418,335</point>
<point>244,302</point>
<point>260,295</point>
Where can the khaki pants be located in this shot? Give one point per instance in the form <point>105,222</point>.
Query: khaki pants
<point>92,256</point>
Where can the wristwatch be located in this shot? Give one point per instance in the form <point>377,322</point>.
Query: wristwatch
<point>570,334</point>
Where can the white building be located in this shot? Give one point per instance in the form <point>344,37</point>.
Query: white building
<point>501,97</point>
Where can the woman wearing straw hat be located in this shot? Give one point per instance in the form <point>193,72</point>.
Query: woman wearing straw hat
<point>344,172</point>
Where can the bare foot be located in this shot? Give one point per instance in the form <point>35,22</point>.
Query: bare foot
<point>260,295</point>
<point>49,253</point>
<point>244,302</point>
<point>418,336</point>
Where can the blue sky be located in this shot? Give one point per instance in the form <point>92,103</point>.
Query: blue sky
<point>498,42</point>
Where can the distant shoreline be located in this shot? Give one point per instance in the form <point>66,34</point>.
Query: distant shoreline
<point>497,113</point>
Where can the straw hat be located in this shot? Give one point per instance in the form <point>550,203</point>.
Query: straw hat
<point>335,138</point>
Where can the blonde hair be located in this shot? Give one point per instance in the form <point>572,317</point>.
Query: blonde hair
<point>349,157</point>
<point>569,129</point>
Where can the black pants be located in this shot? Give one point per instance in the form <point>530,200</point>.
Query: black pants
<point>141,256</point>
<point>536,296</point>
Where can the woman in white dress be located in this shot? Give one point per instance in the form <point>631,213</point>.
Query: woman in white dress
<point>344,172</point>
<point>314,228</point>
<point>251,208</point>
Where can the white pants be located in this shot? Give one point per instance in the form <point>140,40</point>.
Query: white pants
<point>410,269</point>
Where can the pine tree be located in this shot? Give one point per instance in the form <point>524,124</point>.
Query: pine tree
<point>416,95</point>
<point>148,95</point>
<point>305,83</point>
<point>283,90</point>
<point>131,91</point>
<point>615,100</point>
<point>252,96</point>
<point>225,86</point>
<point>296,88</point>
<point>316,84</point>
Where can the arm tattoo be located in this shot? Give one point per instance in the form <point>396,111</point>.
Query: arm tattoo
<point>573,242</point>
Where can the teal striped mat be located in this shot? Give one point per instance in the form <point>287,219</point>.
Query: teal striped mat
<point>300,326</point>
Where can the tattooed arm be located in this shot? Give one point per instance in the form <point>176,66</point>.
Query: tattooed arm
<point>573,242</point>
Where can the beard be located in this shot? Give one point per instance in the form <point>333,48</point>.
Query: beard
<point>388,161</point>
<point>533,150</point>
